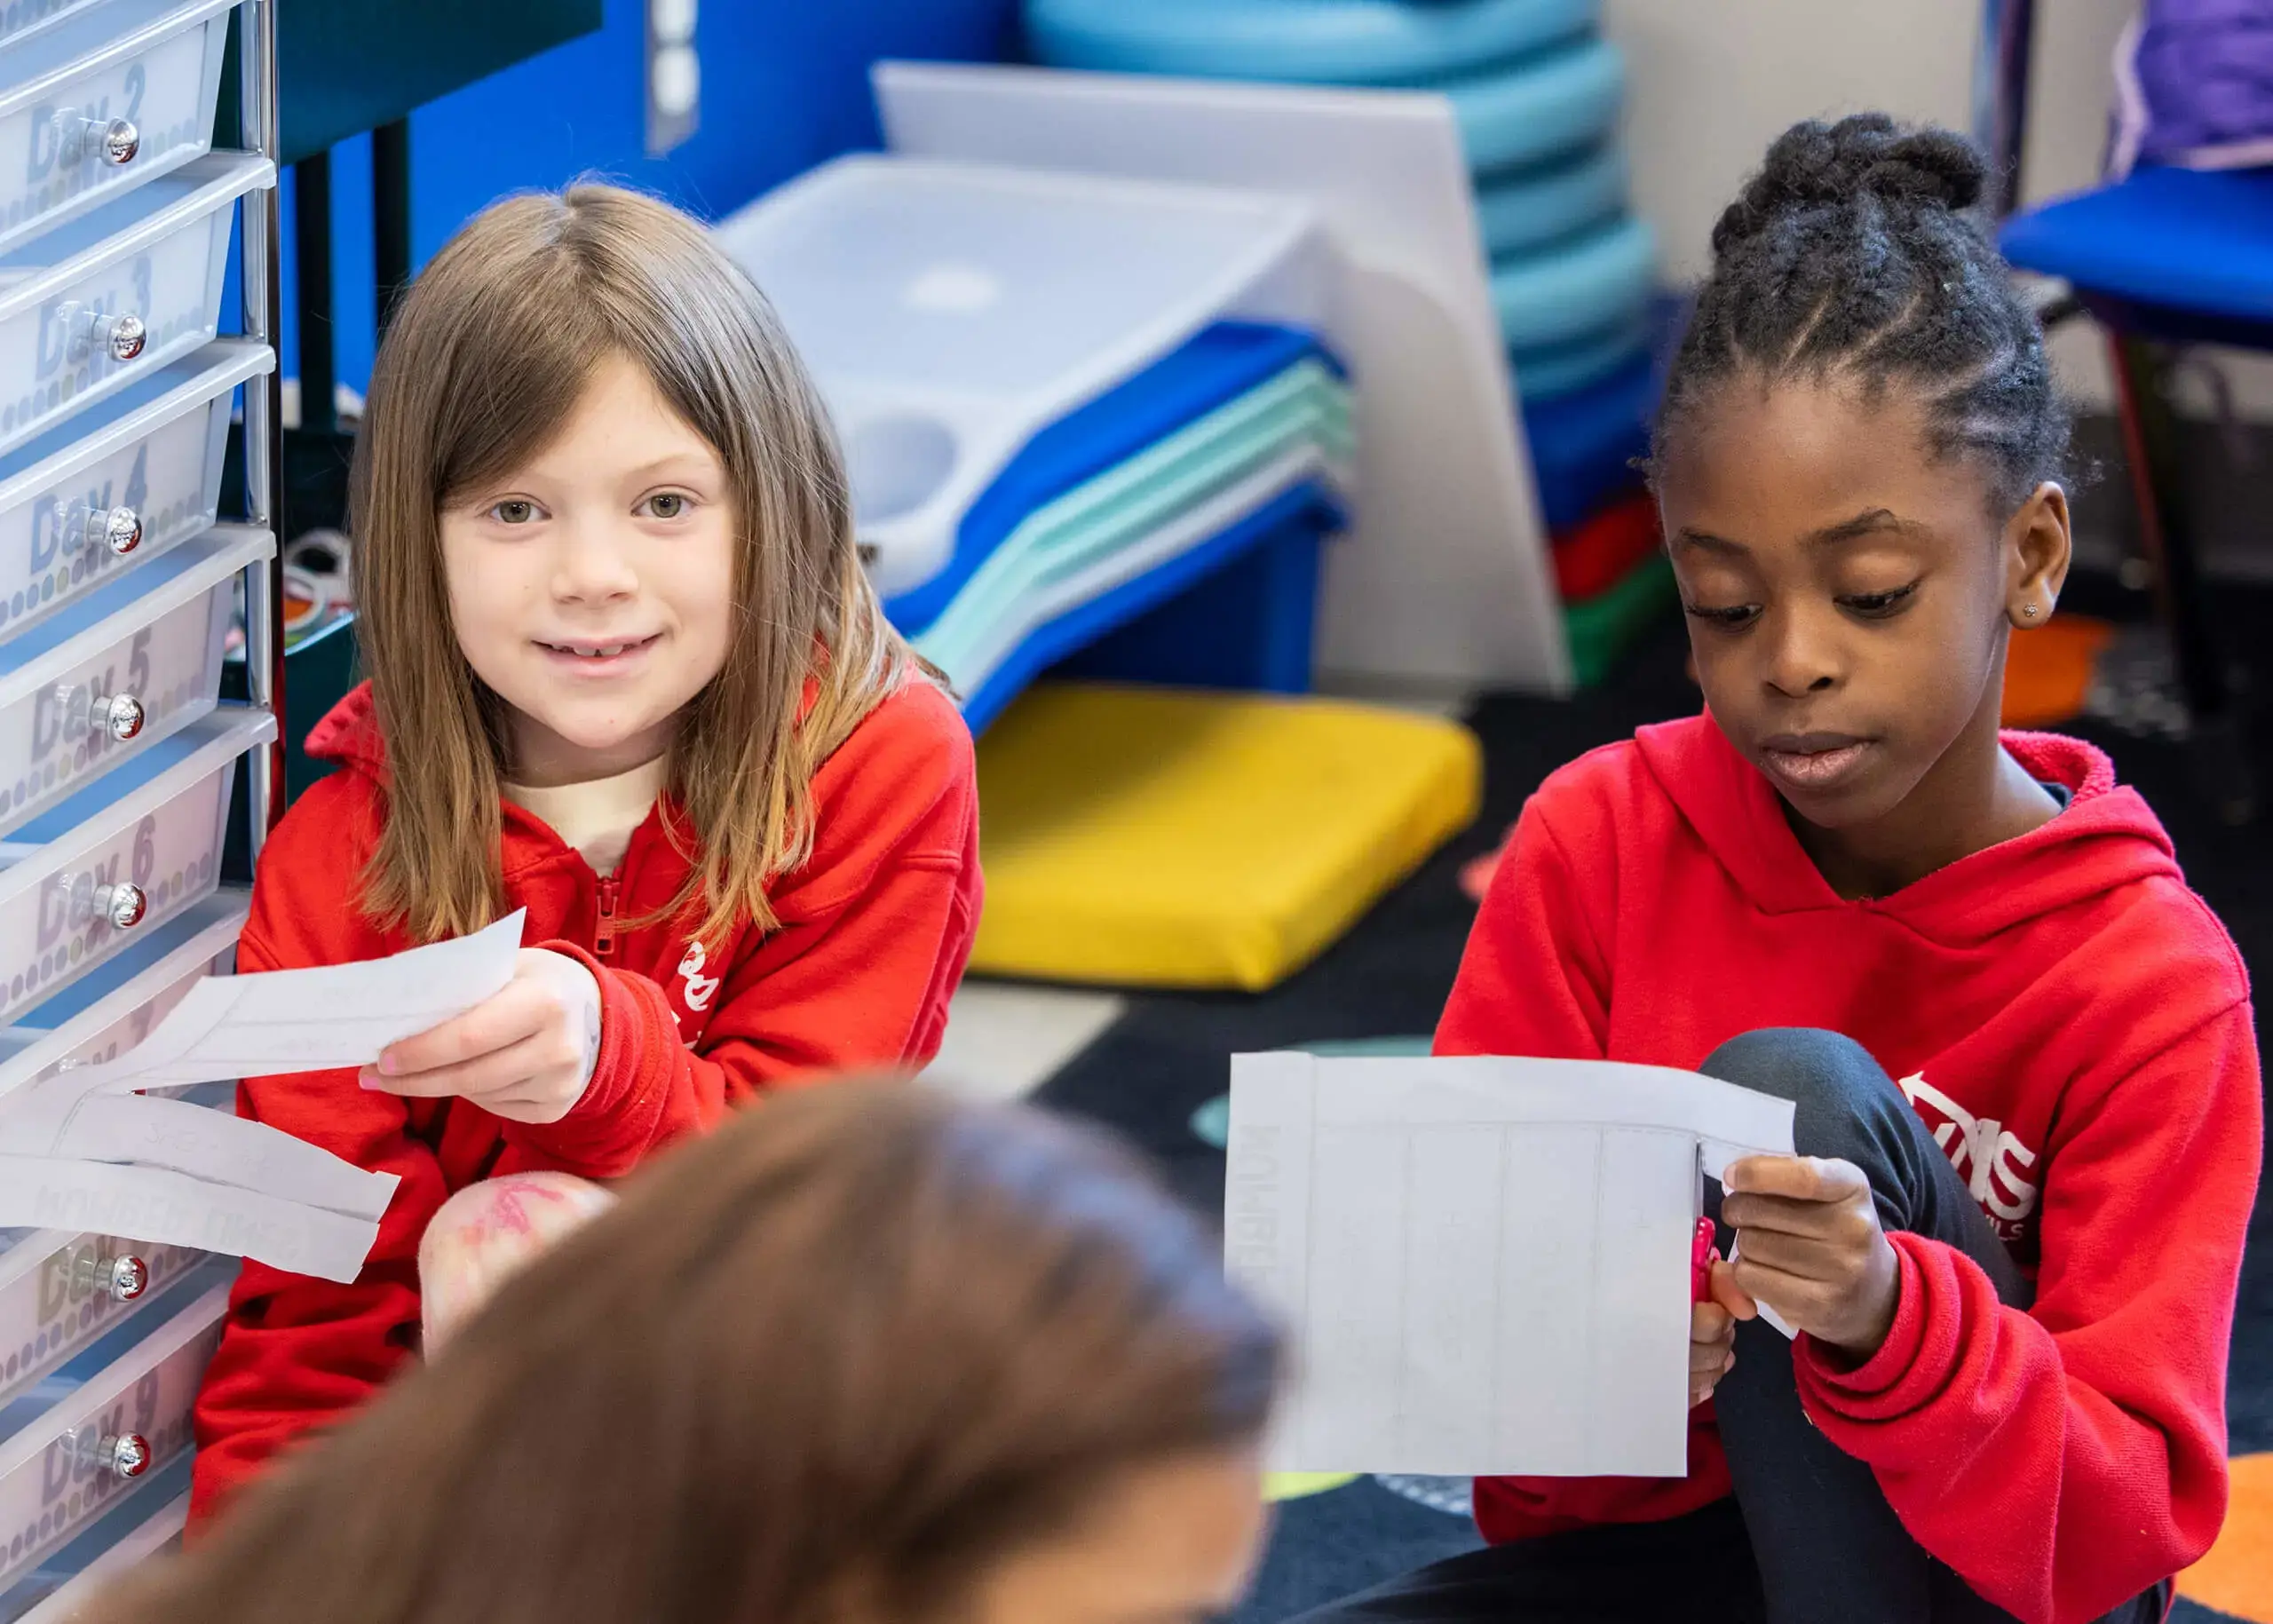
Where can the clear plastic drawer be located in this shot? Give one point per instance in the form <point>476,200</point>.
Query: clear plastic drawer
<point>97,99</point>
<point>118,293</point>
<point>27,18</point>
<point>139,846</point>
<point>119,672</point>
<point>95,496</point>
<point>59,1290</point>
<point>108,1012</point>
<point>139,1527</point>
<point>72,1458</point>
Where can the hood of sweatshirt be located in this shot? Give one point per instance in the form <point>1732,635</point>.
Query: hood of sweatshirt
<point>2107,838</point>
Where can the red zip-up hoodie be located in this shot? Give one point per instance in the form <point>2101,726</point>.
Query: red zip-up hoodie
<point>874,933</point>
<point>2074,1025</point>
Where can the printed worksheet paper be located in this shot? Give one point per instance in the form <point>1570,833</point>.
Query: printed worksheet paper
<point>1486,1262</point>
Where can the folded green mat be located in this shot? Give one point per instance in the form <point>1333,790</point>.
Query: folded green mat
<point>1602,629</point>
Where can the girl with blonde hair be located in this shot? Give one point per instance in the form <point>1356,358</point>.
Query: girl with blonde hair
<point>625,673</point>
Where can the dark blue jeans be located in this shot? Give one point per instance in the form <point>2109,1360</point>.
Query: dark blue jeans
<point>1808,1535</point>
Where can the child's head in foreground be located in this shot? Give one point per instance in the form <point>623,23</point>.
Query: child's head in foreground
<point>600,517</point>
<point>1857,464</point>
<point>863,1355</point>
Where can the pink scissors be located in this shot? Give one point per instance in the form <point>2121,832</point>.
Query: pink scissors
<point>1702,1256</point>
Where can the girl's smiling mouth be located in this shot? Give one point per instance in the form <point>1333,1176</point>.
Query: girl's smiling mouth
<point>594,656</point>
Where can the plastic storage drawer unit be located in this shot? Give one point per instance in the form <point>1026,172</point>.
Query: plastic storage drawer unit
<point>119,672</point>
<point>96,303</point>
<point>57,1290</point>
<point>89,499</point>
<point>95,103</point>
<point>133,849</point>
<point>63,1467</point>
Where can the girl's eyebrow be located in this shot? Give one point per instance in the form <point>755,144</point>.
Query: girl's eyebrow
<point>676,459</point>
<point>1707,541</point>
<point>1871,521</point>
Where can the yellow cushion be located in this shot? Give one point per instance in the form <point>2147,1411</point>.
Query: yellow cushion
<point>1302,1486</point>
<point>1157,838</point>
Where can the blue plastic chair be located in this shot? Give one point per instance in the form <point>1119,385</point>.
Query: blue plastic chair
<point>2169,257</point>
<point>2164,257</point>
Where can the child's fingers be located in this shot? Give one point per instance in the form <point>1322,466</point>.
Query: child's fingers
<point>517,1013</point>
<point>498,1073</point>
<point>1743,1212</point>
<point>1799,1178</point>
<point>1846,1222</point>
<point>531,1102</point>
<point>1801,1300</point>
<point>1709,1362</point>
<point>1710,1322</point>
<point>1728,1294</point>
<point>1809,1257</point>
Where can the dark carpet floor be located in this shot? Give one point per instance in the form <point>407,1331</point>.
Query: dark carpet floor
<point>1168,1054</point>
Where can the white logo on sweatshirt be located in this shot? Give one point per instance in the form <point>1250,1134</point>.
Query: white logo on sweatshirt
<point>699,989</point>
<point>1986,1156</point>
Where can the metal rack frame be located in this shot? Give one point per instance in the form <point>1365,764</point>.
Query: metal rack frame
<point>261,247</point>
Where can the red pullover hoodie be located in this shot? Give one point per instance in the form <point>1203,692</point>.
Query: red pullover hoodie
<point>2073,1023</point>
<point>874,931</point>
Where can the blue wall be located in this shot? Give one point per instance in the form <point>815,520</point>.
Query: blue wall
<point>784,86</point>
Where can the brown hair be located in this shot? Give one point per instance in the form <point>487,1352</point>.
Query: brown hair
<point>858,1343</point>
<point>481,367</point>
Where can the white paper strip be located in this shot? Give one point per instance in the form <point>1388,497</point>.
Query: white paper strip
<point>220,1148</point>
<point>157,1204</point>
<point>337,1015</point>
<point>80,1149</point>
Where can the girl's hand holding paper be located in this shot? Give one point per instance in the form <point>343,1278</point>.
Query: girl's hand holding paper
<point>1809,1246</point>
<point>525,1054</point>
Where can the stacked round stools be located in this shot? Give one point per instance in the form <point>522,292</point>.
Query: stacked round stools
<point>1537,91</point>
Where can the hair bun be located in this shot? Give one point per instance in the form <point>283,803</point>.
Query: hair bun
<point>1814,164</point>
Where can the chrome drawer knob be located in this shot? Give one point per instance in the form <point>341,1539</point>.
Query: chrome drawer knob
<point>121,716</point>
<point>120,530</point>
<point>127,337</point>
<point>122,1278</point>
<point>126,1278</point>
<point>120,337</point>
<point>115,716</point>
<point>120,906</point>
<point>123,905</point>
<point>114,141</point>
<point>123,1454</point>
